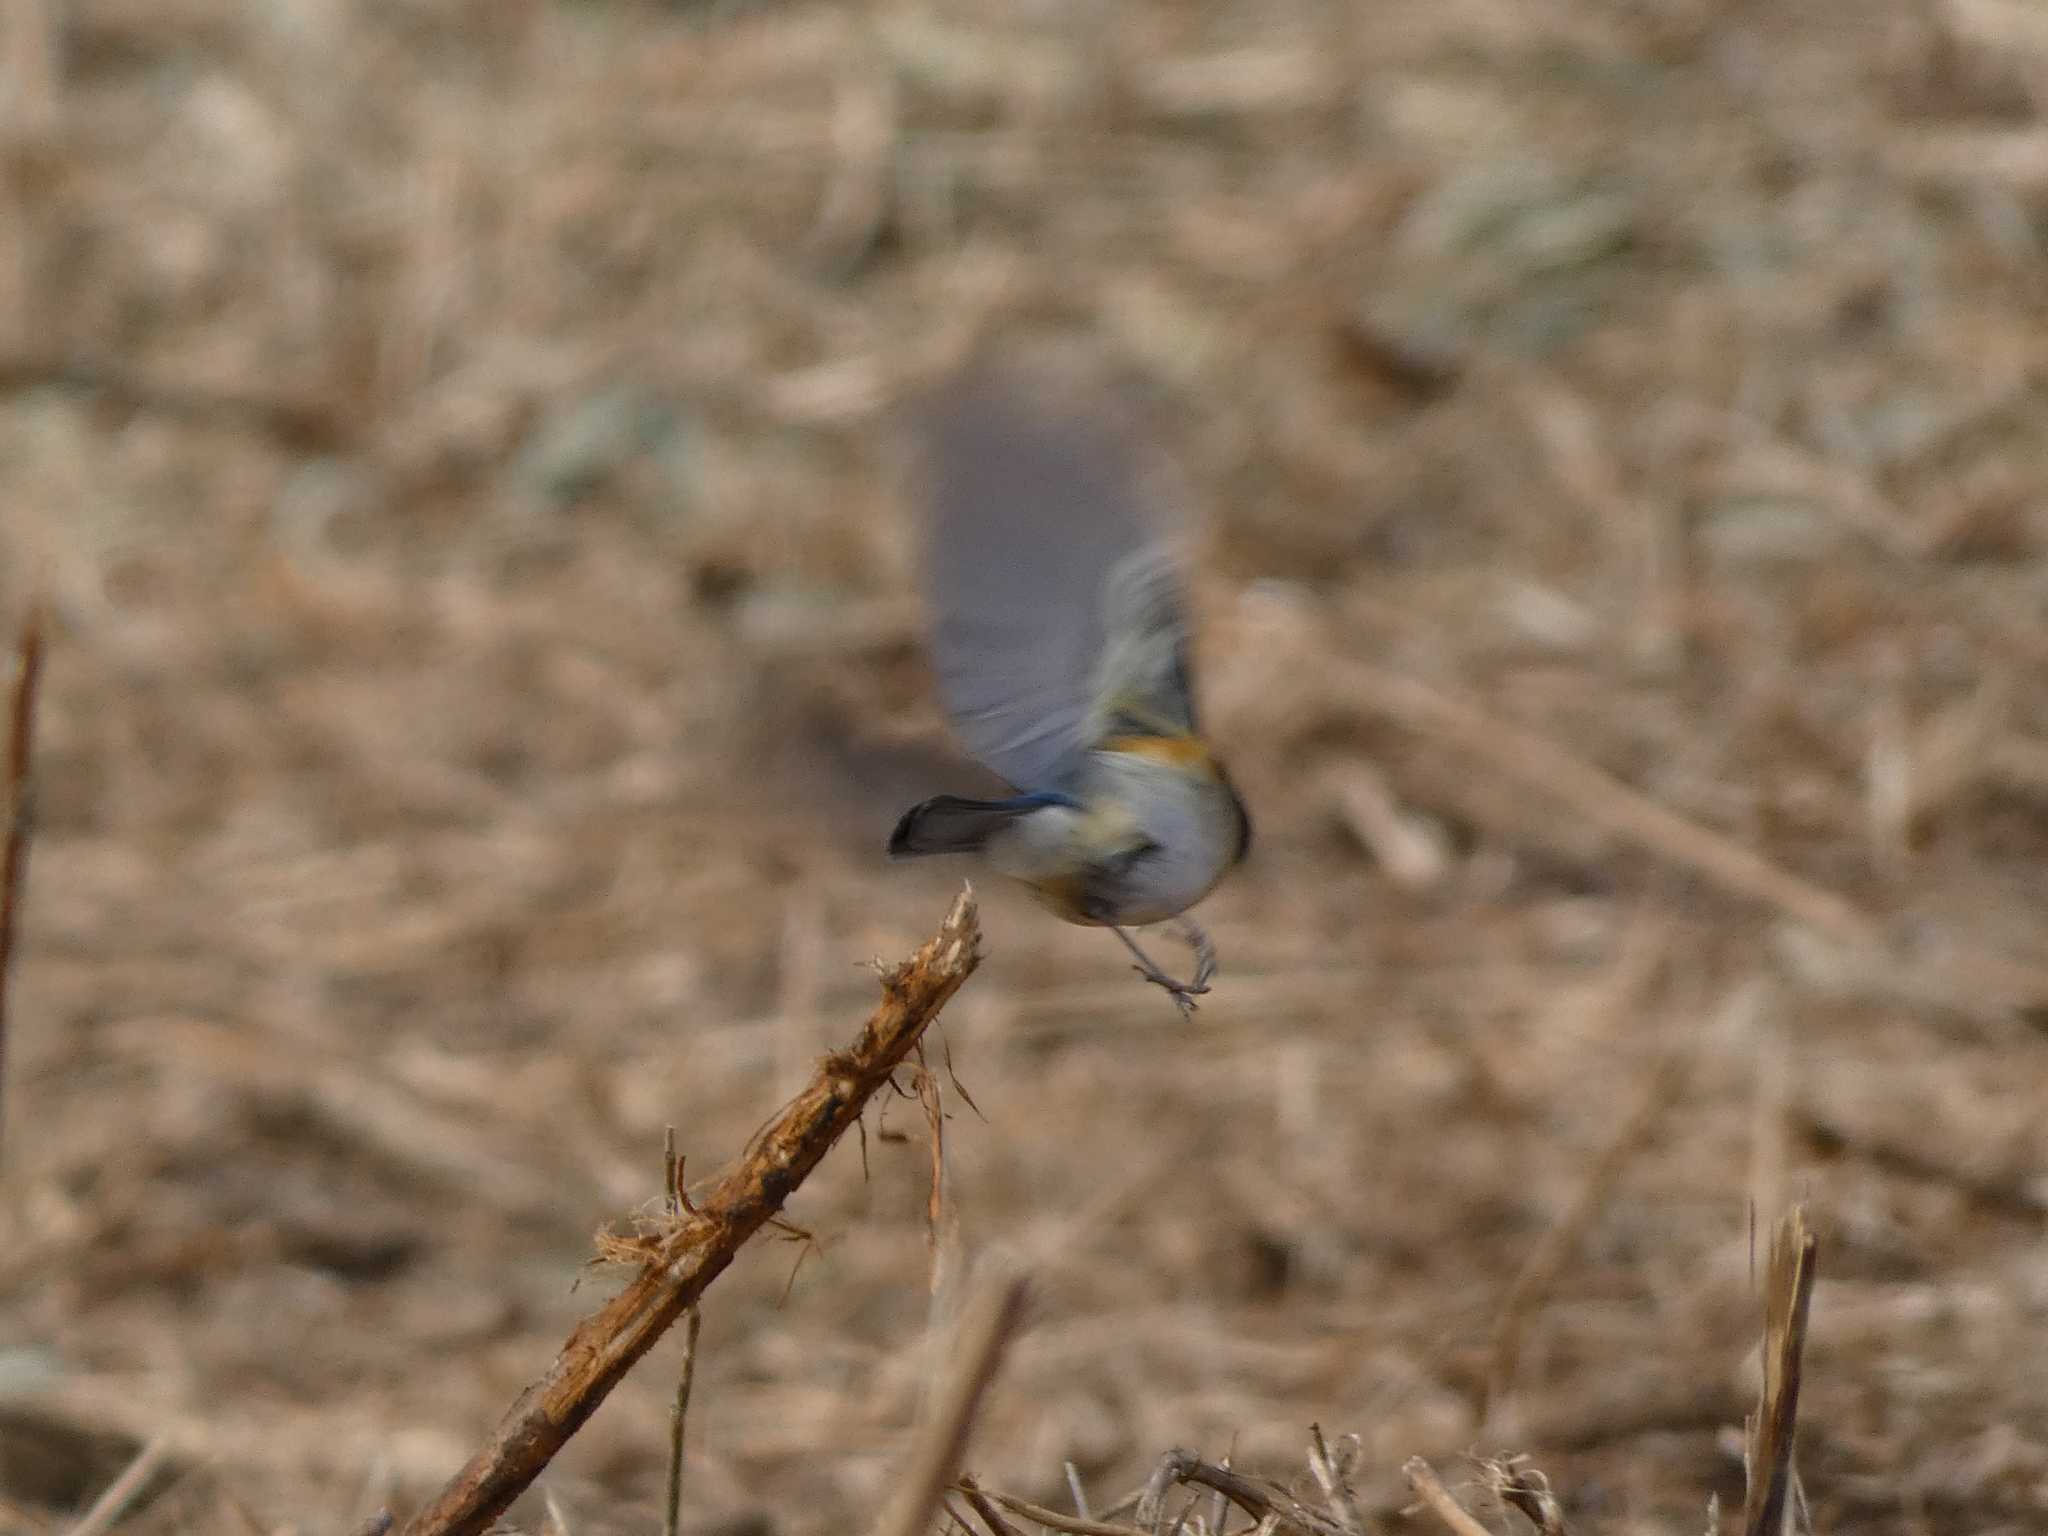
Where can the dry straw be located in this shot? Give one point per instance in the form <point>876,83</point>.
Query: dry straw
<point>1774,1494</point>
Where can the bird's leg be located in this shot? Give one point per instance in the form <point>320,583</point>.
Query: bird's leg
<point>1183,993</point>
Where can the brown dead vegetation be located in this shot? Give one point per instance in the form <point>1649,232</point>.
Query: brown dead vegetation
<point>449,439</point>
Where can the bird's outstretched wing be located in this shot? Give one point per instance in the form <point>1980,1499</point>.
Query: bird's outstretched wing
<point>1032,500</point>
<point>1143,684</point>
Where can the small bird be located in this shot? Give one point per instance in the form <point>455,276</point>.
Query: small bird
<point>1059,636</point>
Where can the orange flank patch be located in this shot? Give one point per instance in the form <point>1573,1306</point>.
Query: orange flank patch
<point>1180,751</point>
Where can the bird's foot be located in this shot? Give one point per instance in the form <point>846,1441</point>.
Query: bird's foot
<point>1183,993</point>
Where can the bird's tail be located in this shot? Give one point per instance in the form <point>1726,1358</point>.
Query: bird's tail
<point>950,824</point>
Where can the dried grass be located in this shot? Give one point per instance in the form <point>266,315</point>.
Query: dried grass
<point>451,440</point>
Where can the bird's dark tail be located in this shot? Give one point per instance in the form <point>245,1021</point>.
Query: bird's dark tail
<point>950,824</point>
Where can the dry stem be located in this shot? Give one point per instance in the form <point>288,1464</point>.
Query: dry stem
<point>1515,1482</point>
<point>1333,1475</point>
<point>693,1253</point>
<point>1789,1290</point>
<point>990,1324</point>
<point>1429,1487</point>
<point>990,1516</point>
<point>1038,1514</point>
<point>122,1492</point>
<point>1262,1501</point>
<point>679,1414</point>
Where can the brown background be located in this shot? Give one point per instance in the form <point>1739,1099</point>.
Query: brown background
<point>486,667</point>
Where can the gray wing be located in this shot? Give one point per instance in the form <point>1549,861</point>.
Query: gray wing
<point>1143,682</point>
<point>1031,502</point>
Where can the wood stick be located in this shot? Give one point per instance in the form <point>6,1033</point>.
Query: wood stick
<point>693,1253</point>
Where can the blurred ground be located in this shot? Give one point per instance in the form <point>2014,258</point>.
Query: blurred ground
<point>451,436</point>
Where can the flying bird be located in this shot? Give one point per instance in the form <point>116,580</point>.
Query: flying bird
<point>1058,632</point>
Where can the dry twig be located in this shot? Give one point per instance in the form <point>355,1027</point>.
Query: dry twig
<point>679,1414</point>
<point>1332,1472</point>
<point>986,1332</point>
<point>123,1491</point>
<point>984,1507</point>
<point>1515,1482</point>
<point>1051,1519</point>
<point>19,792</point>
<point>926,1088</point>
<point>683,1261</point>
<point>1259,1499</point>
<point>1768,1444</point>
<point>1074,1487</point>
<point>677,1204</point>
<point>1430,1489</point>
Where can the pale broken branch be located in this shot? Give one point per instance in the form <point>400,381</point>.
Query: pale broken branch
<point>681,1262</point>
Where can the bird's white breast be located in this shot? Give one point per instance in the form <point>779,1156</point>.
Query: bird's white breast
<point>1148,839</point>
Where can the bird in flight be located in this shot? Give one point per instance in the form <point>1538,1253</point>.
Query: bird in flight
<point>1058,632</point>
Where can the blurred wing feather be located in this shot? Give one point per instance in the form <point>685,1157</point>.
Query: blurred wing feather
<point>1030,505</point>
<point>1142,684</point>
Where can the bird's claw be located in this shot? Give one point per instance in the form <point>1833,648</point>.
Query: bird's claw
<point>1183,993</point>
